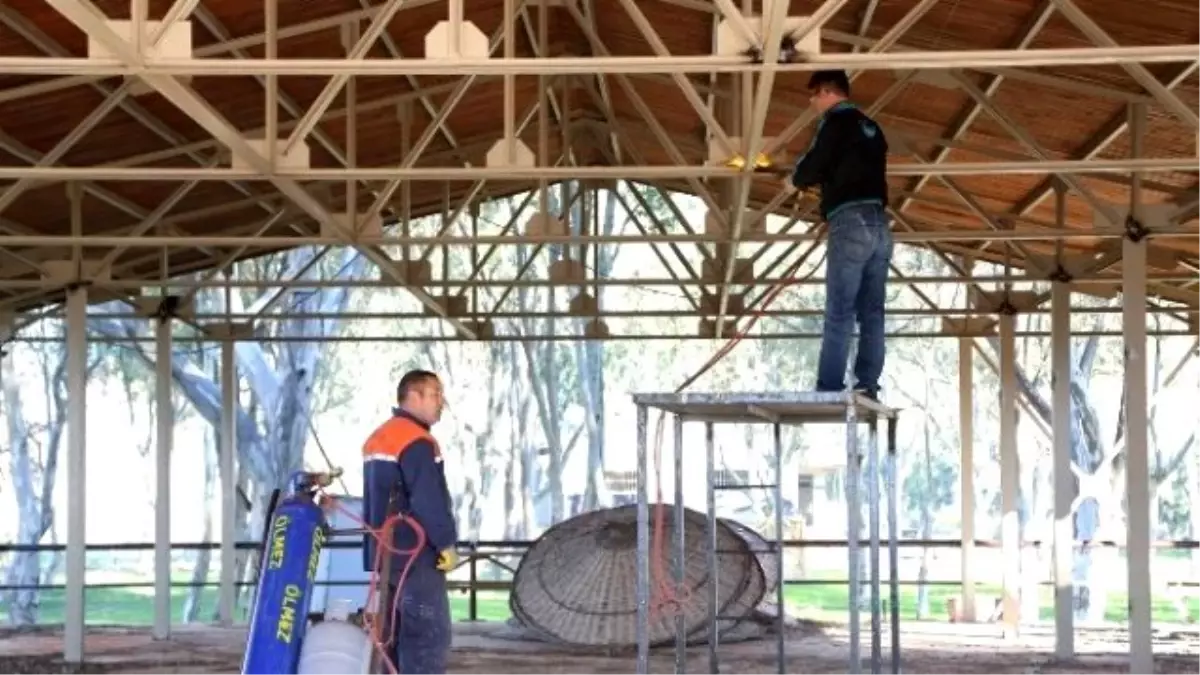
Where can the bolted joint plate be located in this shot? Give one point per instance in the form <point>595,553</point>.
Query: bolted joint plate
<point>66,271</point>
<point>583,304</point>
<point>710,303</point>
<point>452,306</point>
<point>176,43</point>
<point>568,271</point>
<point>996,301</point>
<point>364,225</point>
<point>543,224</point>
<point>731,43</point>
<point>510,152</point>
<point>596,329</point>
<point>708,329</point>
<point>713,270</point>
<point>150,305</point>
<point>969,326</point>
<point>483,329</point>
<point>238,330</point>
<point>414,272</point>
<point>298,158</point>
<point>472,43</point>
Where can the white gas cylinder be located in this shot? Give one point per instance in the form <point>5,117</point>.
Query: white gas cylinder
<point>335,646</point>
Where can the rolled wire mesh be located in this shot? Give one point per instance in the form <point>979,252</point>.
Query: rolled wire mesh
<point>577,583</point>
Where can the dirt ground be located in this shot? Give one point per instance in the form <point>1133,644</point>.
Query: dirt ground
<point>483,648</point>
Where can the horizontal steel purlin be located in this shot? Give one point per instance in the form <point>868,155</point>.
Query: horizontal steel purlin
<point>250,240</point>
<point>560,173</point>
<point>1073,56</point>
<point>134,284</point>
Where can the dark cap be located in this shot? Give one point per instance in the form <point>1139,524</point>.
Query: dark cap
<point>835,79</point>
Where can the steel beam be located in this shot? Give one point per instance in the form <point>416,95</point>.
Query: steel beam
<point>253,240</point>
<point>570,65</point>
<point>85,16</point>
<point>551,174</point>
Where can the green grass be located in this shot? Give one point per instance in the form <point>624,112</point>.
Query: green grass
<point>135,606</point>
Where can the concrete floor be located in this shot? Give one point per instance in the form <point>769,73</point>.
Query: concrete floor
<point>484,648</point>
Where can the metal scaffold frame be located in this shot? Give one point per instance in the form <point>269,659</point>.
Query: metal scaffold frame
<point>274,181</point>
<point>849,409</point>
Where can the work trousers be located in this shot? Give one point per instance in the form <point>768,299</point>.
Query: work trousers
<point>856,272</point>
<point>421,625</point>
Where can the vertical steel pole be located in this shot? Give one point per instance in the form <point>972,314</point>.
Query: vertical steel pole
<point>227,595</point>
<point>680,550</point>
<point>893,517</point>
<point>872,476</point>
<point>780,642</point>
<point>164,413</point>
<point>853,529</point>
<point>77,355</point>
<point>1064,479</point>
<point>710,478</point>
<point>643,546</point>
<point>1137,465</point>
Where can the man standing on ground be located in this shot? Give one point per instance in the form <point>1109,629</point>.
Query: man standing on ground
<point>403,473</point>
<point>848,160</point>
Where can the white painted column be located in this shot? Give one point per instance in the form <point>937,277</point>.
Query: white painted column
<point>164,414</point>
<point>227,595</point>
<point>966,422</point>
<point>1010,476</point>
<point>1137,466</point>
<point>76,565</point>
<point>1064,480</point>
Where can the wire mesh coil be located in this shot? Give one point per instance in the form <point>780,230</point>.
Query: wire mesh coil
<point>577,583</point>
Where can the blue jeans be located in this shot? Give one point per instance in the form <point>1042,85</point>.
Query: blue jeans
<point>422,623</point>
<point>856,271</point>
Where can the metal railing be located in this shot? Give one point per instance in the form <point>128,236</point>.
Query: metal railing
<point>490,552</point>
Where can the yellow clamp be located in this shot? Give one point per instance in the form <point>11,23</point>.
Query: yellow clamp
<point>761,161</point>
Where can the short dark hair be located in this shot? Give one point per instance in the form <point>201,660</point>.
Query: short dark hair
<point>830,79</point>
<point>411,380</point>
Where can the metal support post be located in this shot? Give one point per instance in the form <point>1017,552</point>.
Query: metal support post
<point>227,595</point>
<point>872,477</point>
<point>164,413</point>
<point>1137,467</point>
<point>780,642</point>
<point>966,441</point>
<point>892,481</point>
<point>643,546</point>
<point>1064,479</point>
<point>1010,476</point>
<point>714,607</point>
<point>680,550</point>
<point>853,531</point>
<point>77,356</point>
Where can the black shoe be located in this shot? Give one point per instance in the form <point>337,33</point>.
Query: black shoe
<point>872,394</point>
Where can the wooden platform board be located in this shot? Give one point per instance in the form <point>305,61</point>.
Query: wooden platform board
<point>483,648</point>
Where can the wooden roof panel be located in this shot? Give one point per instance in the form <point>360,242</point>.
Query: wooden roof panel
<point>919,119</point>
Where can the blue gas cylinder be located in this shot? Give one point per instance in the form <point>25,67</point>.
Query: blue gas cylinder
<point>286,577</point>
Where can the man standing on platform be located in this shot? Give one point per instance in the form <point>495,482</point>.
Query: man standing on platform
<point>847,159</point>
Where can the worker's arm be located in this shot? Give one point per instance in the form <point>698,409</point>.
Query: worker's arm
<point>427,495</point>
<point>812,165</point>
<point>381,475</point>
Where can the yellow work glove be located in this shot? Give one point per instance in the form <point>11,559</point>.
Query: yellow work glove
<point>447,560</point>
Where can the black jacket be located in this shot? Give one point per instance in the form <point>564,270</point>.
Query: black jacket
<point>847,158</point>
